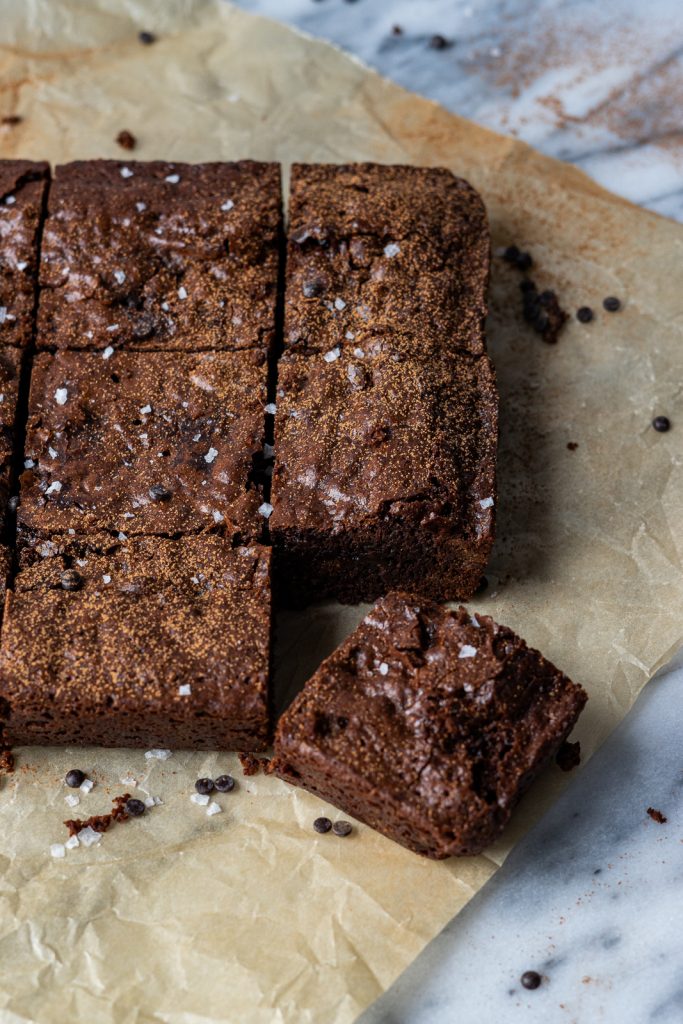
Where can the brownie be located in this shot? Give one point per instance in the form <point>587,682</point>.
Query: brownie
<point>144,442</point>
<point>5,572</point>
<point>384,475</point>
<point>390,258</point>
<point>23,184</point>
<point>428,724</point>
<point>147,642</point>
<point>161,256</point>
<point>10,373</point>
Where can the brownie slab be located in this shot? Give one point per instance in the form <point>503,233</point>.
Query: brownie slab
<point>384,475</point>
<point>392,258</point>
<point>144,643</point>
<point>10,373</point>
<point>161,256</point>
<point>23,184</point>
<point>427,724</point>
<point>143,442</point>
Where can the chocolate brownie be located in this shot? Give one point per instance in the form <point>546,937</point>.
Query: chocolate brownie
<point>161,256</point>
<point>393,259</point>
<point>22,195</point>
<point>10,373</point>
<point>147,642</point>
<point>144,442</point>
<point>427,724</point>
<point>384,475</point>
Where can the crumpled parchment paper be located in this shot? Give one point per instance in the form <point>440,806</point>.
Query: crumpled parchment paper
<point>248,916</point>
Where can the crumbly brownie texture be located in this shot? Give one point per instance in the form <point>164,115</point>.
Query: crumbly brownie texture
<point>427,724</point>
<point>103,660</point>
<point>388,258</point>
<point>385,476</point>
<point>22,193</point>
<point>161,256</point>
<point>10,372</point>
<point>5,570</point>
<point>144,442</point>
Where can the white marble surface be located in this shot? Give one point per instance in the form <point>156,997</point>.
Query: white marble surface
<point>601,85</point>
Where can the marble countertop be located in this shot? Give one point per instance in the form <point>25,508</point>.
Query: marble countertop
<point>592,898</point>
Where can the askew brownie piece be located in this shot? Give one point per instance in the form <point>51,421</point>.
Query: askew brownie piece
<point>387,258</point>
<point>384,476</point>
<point>22,194</point>
<point>428,725</point>
<point>10,372</point>
<point>161,256</point>
<point>144,442</point>
<point>144,643</point>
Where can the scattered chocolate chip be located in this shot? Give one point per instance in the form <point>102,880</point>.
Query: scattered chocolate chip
<point>611,304</point>
<point>12,119</point>
<point>543,311</point>
<point>531,979</point>
<point>524,261</point>
<point>396,30</point>
<point>439,42</point>
<point>322,825</point>
<point>204,786</point>
<point>147,38</point>
<point>584,314</point>
<point>342,828</point>
<point>74,778</point>
<point>568,756</point>
<point>514,255</point>
<point>661,424</point>
<point>159,493</point>
<point>511,254</point>
<point>70,580</point>
<point>126,140</point>
<point>224,783</point>
<point>657,816</point>
<point>483,585</point>
<point>134,807</point>
<point>313,288</point>
<point>572,445</point>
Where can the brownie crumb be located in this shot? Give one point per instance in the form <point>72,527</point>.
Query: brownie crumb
<point>102,822</point>
<point>661,424</point>
<point>12,119</point>
<point>252,765</point>
<point>542,311</point>
<point>126,140</point>
<point>568,756</point>
<point>584,315</point>
<point>531,979</point>
<point>611,304</point>
<point>147,38</point>
<point>6,755</point>
<point>439,42</point>
<point>657,816</point>
<point>572,445</point>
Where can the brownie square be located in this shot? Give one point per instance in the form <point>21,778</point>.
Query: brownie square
<point>427,724</point>
<point>10,374</point>
<point>384,475</point>
<point>390,258</point>
<point>147,642</point>
<point>161,256</point>
<point>23,184</point>
<point>144,442</point>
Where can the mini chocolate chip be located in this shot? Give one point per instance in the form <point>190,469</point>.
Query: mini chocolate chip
<point>126,140</point>
<point>511,254</point>
<point>159,493</point>
<point>70,580</point>
<point>342,828</point>
<point>12,119</point>
<point>611,304</point>
<point>204,786</point>
<point>439,42</point>
<point>134,807</point>
<point>147,38</point>
<point>322,825</point>
<point>661,424</point>
<point>531,979</point>
<point>572,445</point>
<point>74,778</point>
<point>224,783</point>
<point>313,288</point>
<point>483,585</point>
<point>527,286</point>
<point>584,315</point>
<point>396,30</point>
<point>524,261</point>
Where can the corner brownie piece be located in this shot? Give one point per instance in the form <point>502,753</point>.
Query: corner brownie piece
<point>144,442</point>
<point>390,258</point>
<point>10,373</point>
<point>23,184</point>
<point>147,642</point>
<point>384,476</point>
<point>427,724</point>
<point>161,256</point>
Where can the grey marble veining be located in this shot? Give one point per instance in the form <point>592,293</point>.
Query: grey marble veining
<point>592,898</point>
<point>597,84</point>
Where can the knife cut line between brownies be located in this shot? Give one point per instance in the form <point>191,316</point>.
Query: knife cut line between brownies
<point>202,417</point>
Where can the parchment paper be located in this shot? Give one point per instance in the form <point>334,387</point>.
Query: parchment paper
<point>247,916</point>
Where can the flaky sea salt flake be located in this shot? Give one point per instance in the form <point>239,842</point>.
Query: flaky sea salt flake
<point>88,836</point>
<point>58,850</point>
<point>158,755</point>
<point>391,250</point>
<point>265,510</point>
<point>466,651</point>
<point>213,808</point>
<point>61,396</point>
<point>200,798</point>
<point>333,354</point>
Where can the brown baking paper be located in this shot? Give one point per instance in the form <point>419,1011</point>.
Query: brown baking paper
<point>249,916</point>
